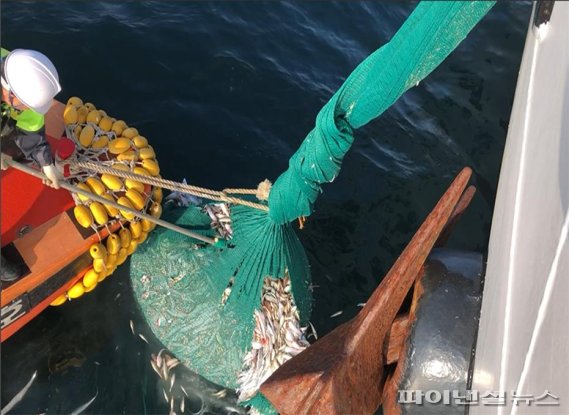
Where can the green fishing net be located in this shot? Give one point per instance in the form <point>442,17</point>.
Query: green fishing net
<point>179,285</point>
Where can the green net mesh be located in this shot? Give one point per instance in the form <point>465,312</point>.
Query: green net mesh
<point>432,31</point>
<point>180,288</point>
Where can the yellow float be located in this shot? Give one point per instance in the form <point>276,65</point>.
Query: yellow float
<point>101,138</point>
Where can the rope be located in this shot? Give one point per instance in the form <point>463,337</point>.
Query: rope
<point>104,201</point>
<point>241,191</point>
<point>175,186</point>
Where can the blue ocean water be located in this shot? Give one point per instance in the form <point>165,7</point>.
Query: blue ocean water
<point>225,93</point>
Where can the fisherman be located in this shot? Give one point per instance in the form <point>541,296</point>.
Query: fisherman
<point>29,84</point>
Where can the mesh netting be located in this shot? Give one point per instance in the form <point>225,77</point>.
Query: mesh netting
<point>432,31</point>
<point>180,286</point>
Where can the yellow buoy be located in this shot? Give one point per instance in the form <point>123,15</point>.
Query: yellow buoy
<point>125,237</point>
<point>146,153</point>
<point>111,262</point>
<point>151,166</point>
<point>121,256</point>
<point>120,166</point>
<point>86,136</point>
<point>111,210</point>
<point>113,244</point>
<point>83,215</point>
<point>132,247</point>
<point>155,210</point>
<point>83,186</point>
<point>106,123</point>
<point>135,229</point>
<point>137,200</point>
<point>118,127</point>
<point>99,265</point>
<point>130,133</point>
<point>70,115</point>
<point>146,225</point>
<point>59,300</point>
<point>141,170</point>
<point>125,202</point>
<point>142,237</point>
<point>96,186</point>
<point>98,251</point>
<point>129,155</point>
<point>100,142</point>
<point>91,288</point>
<point>102,276</point>
<point>99,213</point>
<point>82,112</point>
<point>94,116</point>
<point>75,101</point>
<point>133,184</point>
<point>119,145</point>
<point>77,131</point>
<point>111,270</point>
<point>157,194</point>
<point>76,291</point>
<point>112,182</point>
<point>140,141</point>
<point>90,278</point>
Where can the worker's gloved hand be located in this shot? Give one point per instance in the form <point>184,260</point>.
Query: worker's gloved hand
<point>4,161</point>
<point>53,176</point>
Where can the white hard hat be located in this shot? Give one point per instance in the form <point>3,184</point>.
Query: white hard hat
<point>32,78</point>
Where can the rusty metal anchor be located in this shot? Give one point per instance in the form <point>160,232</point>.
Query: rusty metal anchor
<point>344,372</point>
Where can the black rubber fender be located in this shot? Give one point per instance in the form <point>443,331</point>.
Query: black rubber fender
<point>440,346</point>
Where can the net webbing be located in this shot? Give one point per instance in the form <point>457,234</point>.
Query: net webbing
<point>432,31</point>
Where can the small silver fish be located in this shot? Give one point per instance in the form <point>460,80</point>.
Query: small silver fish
<point>155,367</point>
<point>159,357</point>
<point>180,199</point>
<point>313,331</point>
<point>18,397</point>
<point>220,394</point>
<point>336,314</point>
<point>172,381</point>
<point>172,363</point>
<point>82,408</point>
